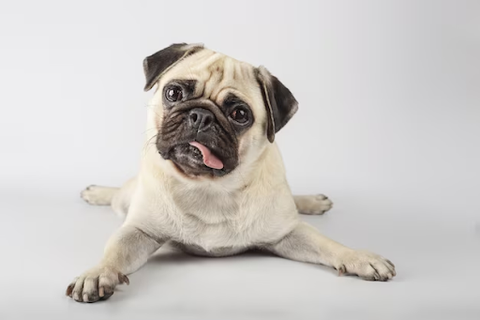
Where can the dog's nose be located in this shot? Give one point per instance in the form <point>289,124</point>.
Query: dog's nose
<point>200,119</point>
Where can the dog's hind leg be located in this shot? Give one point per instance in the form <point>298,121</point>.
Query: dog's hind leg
<point>118,198</point>
<point>312,204</point>
<point>99,195</point>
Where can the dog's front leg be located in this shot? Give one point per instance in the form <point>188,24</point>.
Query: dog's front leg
<point>306,244</point>
<point>126,251</point>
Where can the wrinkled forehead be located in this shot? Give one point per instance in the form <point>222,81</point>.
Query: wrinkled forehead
<point>216,76</point>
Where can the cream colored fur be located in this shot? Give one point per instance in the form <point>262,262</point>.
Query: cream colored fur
<point>251,207</point>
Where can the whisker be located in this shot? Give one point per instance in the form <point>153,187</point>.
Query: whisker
<point>148,143</point>
<point>147,130</point>
<point>151,106</point>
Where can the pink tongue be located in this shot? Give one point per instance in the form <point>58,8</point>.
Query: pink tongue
<point>208,158</point>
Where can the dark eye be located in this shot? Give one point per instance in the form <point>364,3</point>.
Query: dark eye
<point>239,115</point>
<point>174,93</point>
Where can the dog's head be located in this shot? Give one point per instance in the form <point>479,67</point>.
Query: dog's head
<point>211,112</point>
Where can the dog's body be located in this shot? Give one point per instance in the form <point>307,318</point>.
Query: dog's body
<point>218,186</point>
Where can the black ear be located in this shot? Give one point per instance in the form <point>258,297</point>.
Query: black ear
<point>157,64</point>
<point>280,103</point>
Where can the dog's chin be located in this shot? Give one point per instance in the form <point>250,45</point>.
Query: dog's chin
<point>188,160</point>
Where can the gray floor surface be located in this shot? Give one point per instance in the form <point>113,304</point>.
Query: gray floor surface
<point>47,239</point>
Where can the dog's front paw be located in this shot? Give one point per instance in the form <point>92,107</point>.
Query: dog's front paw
<point>366,265</point>
<point>313,204</point>
<point>96,284</point>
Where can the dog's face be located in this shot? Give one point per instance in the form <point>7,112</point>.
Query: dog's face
<point>212,112</point>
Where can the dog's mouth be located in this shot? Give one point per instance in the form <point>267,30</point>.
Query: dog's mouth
<point>195,158</point>
<point>209,158</point>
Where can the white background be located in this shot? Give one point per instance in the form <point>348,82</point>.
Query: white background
<point>388,127</point>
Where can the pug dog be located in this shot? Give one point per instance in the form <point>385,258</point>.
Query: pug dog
<point>214,182</point>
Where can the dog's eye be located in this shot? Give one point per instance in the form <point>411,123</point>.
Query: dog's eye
<point>174,93</point>
<point>239,115</point>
